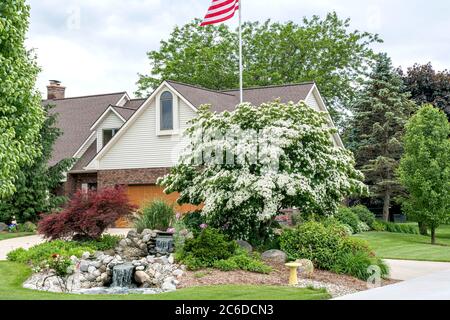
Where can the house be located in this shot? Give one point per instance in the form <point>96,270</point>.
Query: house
<point>122,141</point>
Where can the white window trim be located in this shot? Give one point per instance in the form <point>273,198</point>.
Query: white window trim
<point>175,112</point>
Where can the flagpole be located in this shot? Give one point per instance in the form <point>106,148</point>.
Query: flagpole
<point>241,90</point>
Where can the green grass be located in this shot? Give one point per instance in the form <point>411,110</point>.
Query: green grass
<point>12,275</point>
<point>8,235</point>
<point>410,247</point>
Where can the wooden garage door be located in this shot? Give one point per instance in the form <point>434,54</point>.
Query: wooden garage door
<point>142,194</point>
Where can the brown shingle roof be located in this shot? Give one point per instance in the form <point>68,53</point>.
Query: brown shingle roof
<point>228,99</point>
<point>87,157</point>
<point>75,117</point>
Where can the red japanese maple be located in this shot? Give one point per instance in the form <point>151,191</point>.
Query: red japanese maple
<point>87,215</point>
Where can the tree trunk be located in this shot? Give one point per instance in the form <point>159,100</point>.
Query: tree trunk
<point>386,205</point>
<point>433,235</point>
<point>423,229</point>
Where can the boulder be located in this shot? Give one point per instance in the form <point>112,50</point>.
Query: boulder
<point>169,286</point>
<point>84,266</point>
<point>306,267</point>
<point>245,245</point>
<point>276,256</point>
<point>85,255</point>
<point>141,277</point>
<point>132,234</point>
<point>3,226</point>
<point>177,273</point>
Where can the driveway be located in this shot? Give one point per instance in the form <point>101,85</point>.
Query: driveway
<point>407,270</point>
<point>27,242</point>
<point>434,286</point>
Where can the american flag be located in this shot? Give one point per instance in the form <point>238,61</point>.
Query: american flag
<point>220,10</point>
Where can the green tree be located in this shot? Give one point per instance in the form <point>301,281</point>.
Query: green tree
<point>425,168</point>
<point>428,86</point>
<point>380,114</point>
<point>35,182</point>
<point>320,50</point>
<point>21,115</point>
<point>247,165</point>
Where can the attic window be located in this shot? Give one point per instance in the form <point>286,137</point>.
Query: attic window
<point>108,134</point>
<point>166,111</point>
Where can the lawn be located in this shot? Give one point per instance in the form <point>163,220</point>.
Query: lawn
<point>410,247</point>
<point>12,275</point>
<point>9,235</point>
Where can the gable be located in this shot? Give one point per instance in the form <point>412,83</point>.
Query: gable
<point>138,144</point>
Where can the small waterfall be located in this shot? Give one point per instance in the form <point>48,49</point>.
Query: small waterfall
<point>122,275</point>
<point>164,244</point>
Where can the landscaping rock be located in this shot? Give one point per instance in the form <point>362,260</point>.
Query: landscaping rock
<point>306,267</point>
<point>141,277</point>
<point>178,273</point>
<point>276,256</point>
<point>84,265</point>
<point>3,226</point>
<point>85,255</point>
<point>169,286</point>
<point>132,234</point>
<point>245,245</point>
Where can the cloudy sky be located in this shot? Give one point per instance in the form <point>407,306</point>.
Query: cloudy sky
<point>100,46</point>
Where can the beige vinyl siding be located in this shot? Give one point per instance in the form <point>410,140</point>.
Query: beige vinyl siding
<point>141,147</point>
<point>112,121</point>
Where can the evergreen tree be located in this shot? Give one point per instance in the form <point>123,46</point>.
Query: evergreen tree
<point>21,114</point>
<point>425,168</point>
<point>380,114</point>
<point>35,182</point>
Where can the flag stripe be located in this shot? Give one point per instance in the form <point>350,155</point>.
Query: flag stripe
<point>220,10</point>
<point>220,18</point>
<point>228,6</point>
<point>218,6</point>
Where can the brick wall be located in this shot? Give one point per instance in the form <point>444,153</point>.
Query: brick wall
<point>75,180</point>
<point>110,178</point>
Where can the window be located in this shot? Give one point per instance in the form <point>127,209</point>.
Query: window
<point>166,111</point>
<point>108,134</point>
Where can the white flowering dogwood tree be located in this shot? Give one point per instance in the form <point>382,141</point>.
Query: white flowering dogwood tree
<point>245,166</point>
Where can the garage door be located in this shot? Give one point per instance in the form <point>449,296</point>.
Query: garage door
<point>142,194</point>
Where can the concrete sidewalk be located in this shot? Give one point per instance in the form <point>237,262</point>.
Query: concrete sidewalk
<point>435,286</point>
<point>27,242</point>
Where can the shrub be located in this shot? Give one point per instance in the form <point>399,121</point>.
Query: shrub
<point>378,226</point>
<point>364,215</point>
<point>209,246</point>
<point>156,215</point>
<point>313,241</point>
<point>329,248</point>
<point>193,220</point>
<point>348,217</point>
<point>357,264</point>
<point>363,227</point>
<point>242,261</point>
<point>354,245</point>
<point>44,251</point>
<point>106,242</point>
<point>27,227</point>
<point>87,215</point>
<point>400,227</point>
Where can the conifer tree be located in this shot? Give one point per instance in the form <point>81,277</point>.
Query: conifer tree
<point>380,115</point>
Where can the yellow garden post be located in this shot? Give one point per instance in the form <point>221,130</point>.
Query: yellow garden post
<point>293,266</point>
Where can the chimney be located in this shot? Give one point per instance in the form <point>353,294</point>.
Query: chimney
<point>55,90</point>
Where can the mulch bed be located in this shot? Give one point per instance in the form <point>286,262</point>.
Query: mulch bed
<point>278,277</point>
